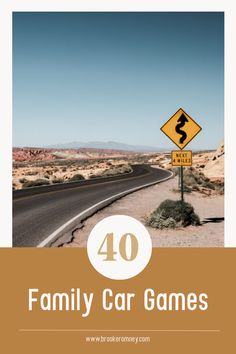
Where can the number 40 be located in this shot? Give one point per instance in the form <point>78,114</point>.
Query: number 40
<point>109,251</point>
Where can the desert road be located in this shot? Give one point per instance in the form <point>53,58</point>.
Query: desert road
<point>42,214</point>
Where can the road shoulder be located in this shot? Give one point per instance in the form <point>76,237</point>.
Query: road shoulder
<point>140,204</point>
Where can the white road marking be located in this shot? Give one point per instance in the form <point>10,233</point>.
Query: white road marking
<point>62,227</point>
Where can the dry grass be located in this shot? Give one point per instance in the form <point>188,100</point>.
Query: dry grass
<point>41,173</point>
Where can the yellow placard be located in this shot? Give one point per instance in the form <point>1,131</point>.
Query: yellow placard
<point>181,158</point>
<point>181,128</point>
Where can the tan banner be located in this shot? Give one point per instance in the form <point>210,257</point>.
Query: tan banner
<point>76,310</point>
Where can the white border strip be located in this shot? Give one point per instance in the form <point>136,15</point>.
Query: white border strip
<point>53,235</point>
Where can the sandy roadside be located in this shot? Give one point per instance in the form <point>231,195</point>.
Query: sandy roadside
<point>61,172</point>
<point>142,203</point>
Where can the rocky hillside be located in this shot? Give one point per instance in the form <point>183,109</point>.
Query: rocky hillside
<point>214,169</point>
<point>45,154</point>
<point>32,154</point>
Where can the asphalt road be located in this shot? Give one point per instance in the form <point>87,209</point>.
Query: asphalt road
<point>39,211</point>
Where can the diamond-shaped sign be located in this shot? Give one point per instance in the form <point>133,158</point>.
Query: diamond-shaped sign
<point>181,128</point>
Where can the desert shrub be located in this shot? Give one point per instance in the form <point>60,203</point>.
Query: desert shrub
<point>57,180</point>
<point>35,183</point>
<point>189,180</point>
<point>119,169</point>
<point>77,177</point>
<point>196,187</point>
<point>221,190</point>
<point>196,180</point>
<point>187,189</point>
<point>49,172</point>
<point>93,176</point>
<point>126,169</point>
<point>46,176</point>
<point>208,185</point>
<point>22,180</point>
<point>219,187</point>
<point>175,170</point>
<point>32,173</point>
<point>172,214</point>
<point>64,169</point>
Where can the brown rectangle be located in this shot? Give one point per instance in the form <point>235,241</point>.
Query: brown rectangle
<point>170,270</point>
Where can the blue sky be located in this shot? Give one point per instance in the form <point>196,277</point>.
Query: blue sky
<point>116,76</point>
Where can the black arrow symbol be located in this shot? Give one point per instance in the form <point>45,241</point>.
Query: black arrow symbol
<point>182,120</point>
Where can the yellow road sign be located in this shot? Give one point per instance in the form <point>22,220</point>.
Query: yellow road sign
<point>181,128</point>
<point>181,158</point>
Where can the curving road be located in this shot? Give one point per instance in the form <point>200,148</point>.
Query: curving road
<point>42,214</point>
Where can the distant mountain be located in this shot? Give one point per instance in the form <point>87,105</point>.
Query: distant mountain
<point>111,145</point>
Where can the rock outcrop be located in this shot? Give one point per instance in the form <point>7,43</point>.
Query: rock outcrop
<point>214,169</point>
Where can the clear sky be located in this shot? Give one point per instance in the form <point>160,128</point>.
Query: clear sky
<point>116,76</point>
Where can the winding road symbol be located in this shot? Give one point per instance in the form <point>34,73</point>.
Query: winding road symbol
<point>182,120</point>
<point>181,128</point>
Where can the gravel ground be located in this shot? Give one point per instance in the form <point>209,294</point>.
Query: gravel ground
<point>140,204</point>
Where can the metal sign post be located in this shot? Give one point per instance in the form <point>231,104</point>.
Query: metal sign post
<point>181,129</point>
<point>182,182</point>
